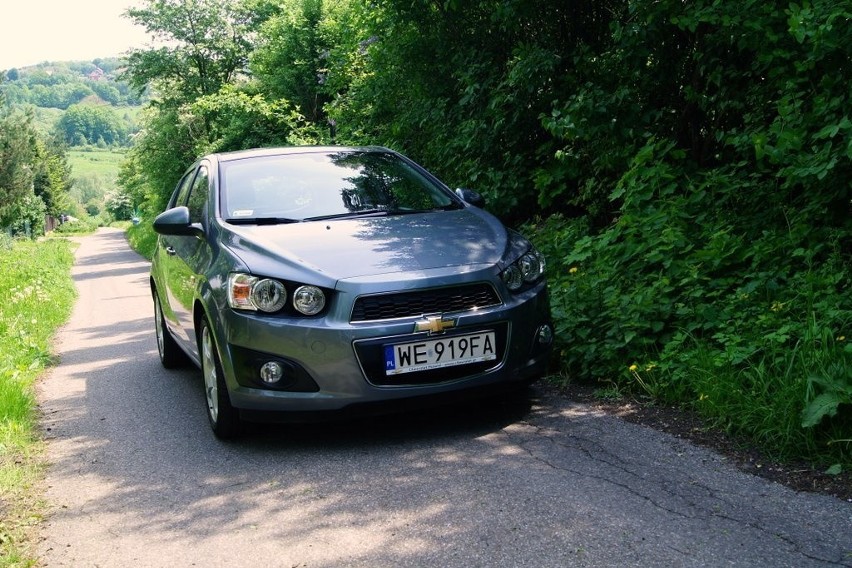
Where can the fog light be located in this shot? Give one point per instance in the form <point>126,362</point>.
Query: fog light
<point>545,335</point>
<point>271,372</point>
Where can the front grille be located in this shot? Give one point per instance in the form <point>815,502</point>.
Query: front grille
<point>420,302</point>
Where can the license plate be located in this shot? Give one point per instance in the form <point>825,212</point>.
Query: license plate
<point>438,353</point>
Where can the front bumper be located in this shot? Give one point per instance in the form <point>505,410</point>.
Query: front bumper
<point>336,365</point>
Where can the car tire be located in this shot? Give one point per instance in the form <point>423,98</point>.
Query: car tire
<point>224,418</point>
<point>171,355</point>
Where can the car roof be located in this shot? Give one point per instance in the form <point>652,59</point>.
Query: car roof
<point>289,150</point>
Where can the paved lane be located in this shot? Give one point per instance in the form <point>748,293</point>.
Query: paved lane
<point>137,479</point>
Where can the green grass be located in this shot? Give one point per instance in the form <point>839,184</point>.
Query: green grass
<point>39,298</point>
<point>792,403</point>
<point>142,238</point>
<point>95,162</point>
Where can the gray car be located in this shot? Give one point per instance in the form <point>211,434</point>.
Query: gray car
<point>315,281</point>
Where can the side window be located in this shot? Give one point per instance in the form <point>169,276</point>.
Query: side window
<point>198,196</point>
<point>182,189</point>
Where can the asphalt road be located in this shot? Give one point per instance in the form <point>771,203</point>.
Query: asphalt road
<point>137,478</point>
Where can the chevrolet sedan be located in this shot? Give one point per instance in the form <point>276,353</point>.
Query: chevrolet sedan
<point>315,281</point>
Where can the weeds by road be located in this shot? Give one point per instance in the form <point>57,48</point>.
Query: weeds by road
<point>39,297</point>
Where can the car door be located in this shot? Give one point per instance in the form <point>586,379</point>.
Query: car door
<point>187,256</point>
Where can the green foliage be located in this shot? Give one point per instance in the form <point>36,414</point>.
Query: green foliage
<point>162,153</point>
<point>83,123</point>
<point>25,217</point>
<point>120,204</point>
<point>695,300</point>
<point>236,119</point>
<point>292,59</point>
<point>33,175</point>
<point>142,238</point>
<point>39,297</point>
<point>206,45</point>
<point>80,226</point>
<point>17,150</point>
<point>206,48</point>
<point>52,181</point>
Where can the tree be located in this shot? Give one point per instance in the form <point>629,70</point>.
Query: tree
<point>462,86</point>
<point>119,203</point>
<point>52,182</point>
<point>206,45</point>
<point>91,123</point>
<point>17,151</point>
<point>34,177</point>
<point>292,59</point>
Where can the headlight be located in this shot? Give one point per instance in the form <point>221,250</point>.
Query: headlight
<point>527,269</point>
<point>532,265</point>
<point>308,300</point>
<point>513,278</point>
<point>268,295</point>
<point>247,292</point>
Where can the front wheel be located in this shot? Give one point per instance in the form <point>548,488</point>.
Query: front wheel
<point>171,355</point>
<point>224,418</point>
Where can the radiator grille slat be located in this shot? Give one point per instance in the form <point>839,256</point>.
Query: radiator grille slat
<point>420,302</point>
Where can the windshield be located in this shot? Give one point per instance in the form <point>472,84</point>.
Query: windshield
<point>323,185</point>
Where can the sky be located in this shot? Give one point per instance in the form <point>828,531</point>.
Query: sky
<point>34,31</point>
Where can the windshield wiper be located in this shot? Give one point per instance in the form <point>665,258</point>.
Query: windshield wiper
<point>262,221</point>
<point>417,211</point>
<point>351,215</point>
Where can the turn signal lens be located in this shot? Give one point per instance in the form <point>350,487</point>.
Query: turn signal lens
<point>239,291</point>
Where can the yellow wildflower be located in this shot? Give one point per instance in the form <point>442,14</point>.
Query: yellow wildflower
<point>633,368</point>
<point>572,270</point>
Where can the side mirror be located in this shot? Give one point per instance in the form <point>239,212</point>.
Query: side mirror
<point>470,196</point>
<point>175,221</point>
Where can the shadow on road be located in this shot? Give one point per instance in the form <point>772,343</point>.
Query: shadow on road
<point>138,477</point>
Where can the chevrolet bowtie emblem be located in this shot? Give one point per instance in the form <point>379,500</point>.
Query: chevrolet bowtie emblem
<point>434,324</point>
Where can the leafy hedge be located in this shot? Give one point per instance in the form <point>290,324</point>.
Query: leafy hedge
<point>703,305</point>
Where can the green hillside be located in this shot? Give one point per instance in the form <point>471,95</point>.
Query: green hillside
<point>97,162</point>
<point>87,109</point>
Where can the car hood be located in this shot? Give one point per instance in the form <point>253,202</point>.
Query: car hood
<point>350,248</point>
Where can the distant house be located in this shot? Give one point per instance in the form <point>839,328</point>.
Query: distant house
<point>96,75</point>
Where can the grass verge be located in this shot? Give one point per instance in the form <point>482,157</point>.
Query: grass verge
<point>40,296</point>
<point>142,238</point>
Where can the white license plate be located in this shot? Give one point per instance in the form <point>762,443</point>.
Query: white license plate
<point>439,353</point>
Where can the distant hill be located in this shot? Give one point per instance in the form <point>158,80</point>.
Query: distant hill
<point>84,103</point>
<point>62,84</point>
